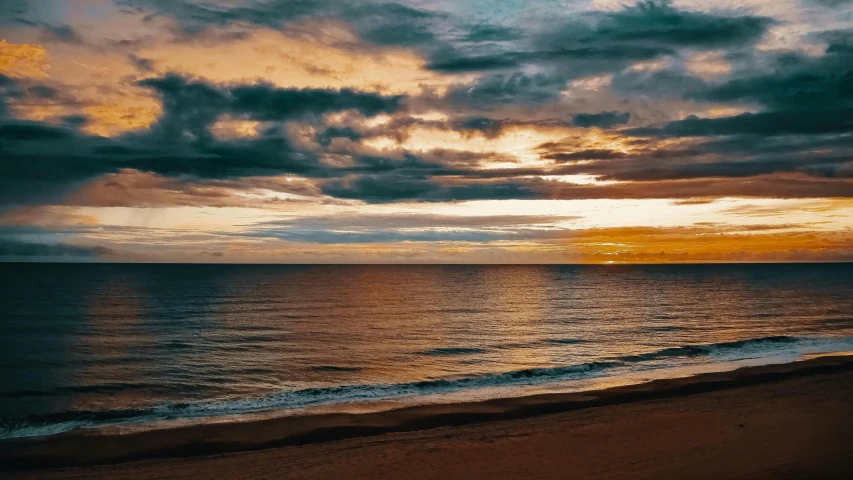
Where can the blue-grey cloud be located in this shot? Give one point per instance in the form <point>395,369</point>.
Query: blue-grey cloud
<point>13,249</point>
<point>41,157</point>
<point>394,187</point>
<point>764,123</point>
<point>413,227</point>
<point>795,140</point>
<point>600,42</point>
<point>603,119</point>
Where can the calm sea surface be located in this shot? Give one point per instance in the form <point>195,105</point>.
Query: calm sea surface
<point>131,346</point>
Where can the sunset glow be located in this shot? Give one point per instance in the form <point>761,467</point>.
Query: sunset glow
<point>425,131</point>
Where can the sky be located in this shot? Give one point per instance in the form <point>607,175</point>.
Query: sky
<point>426,131</point>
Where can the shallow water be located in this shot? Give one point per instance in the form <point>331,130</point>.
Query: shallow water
<point>101,345</point>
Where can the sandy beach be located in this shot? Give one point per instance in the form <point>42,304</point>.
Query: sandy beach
<point>780,421</point>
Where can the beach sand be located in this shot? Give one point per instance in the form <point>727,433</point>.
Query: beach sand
<point>781,421</point>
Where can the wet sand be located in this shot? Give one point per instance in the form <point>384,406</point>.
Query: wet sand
<point>782,421</point>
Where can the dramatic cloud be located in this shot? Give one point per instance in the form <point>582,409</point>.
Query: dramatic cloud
<point>390,188</point>
<point>12,250</point>
<point>181,141</point>
<point>598,41</point>
<point>765,123</point>
<point>603,119</point>
<point>321,129</point>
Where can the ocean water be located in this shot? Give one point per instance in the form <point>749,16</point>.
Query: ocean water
<point>142,346</point>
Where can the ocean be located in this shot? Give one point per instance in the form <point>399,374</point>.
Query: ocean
<point>137,346</point>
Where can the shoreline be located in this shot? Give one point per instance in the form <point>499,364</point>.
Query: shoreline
<point>80,448</point>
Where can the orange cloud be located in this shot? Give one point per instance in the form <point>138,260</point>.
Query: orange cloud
<point>289,61</point>
<point>110,120</point>
<point>593,247</point>
<point>707,243</point>
<point>23,60</point>
<point>96,83</point>
<point>132,188</point>
<point>46,216</point>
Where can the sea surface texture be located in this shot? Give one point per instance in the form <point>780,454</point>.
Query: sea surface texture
<point>131,346</point>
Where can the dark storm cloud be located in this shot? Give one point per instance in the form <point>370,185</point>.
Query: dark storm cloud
<point>821,167</point>
<point>794,81</point>
<point>326,136</point>
<point>766,123</point>
<point>191,107</point>
<point>40,157</point>
<point>803,124</point>
<point>394,24</point>
<point>6,81</point>
<point>797,94</point>
<point>492,33</point>
<point>75,121</point>
<point>397,24</point>
<point>378,22</point>
<point>388,188</point>
<point>15,90</point>
<point>794,143</point>
<point>32,131</point>
<point>656,84</point>
<point>599,42</point>
<point>266,102</point>
<point>658,23</point>
<point>590,43</point>
<point>438,35</point>
<point>195,16</point>
<point>190,99</point>
<point>587,44</point>
<point>478,64</point>
<point>392,188</point>
<point>515,88</point>
<point>596,43</point>
<point>42,91</point>
<point>10,249</point>
<point>591,154</point>
<point>602,120</point>
<point>737,156</point>
<point>8,89</point>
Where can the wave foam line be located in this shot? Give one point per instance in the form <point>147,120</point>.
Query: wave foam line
<point>34,425</point>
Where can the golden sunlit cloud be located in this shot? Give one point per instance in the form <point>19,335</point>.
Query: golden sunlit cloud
<point>290,61</point>
<point>131,114</point>
<point>22,60</point>
<point>95,79</point>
